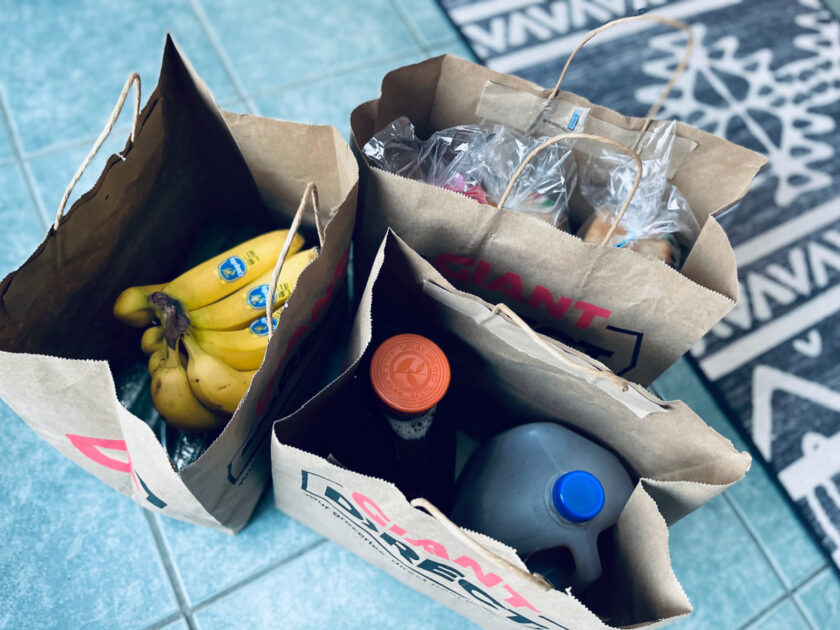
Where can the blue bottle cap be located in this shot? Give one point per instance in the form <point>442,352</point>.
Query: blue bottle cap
<point>578,496</point>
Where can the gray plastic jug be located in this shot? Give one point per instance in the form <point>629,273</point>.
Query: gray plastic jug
<point>542,488</point>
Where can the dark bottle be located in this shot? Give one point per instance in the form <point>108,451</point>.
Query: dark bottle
<point>409,375</point>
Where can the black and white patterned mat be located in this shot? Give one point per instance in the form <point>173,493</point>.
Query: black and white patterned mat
<point>765,75</point>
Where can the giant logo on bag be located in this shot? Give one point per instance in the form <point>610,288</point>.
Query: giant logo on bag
<point>574,322</point>
<point>425,559</point>
<point>92,447</point>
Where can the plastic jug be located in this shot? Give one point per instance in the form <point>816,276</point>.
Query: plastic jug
<point>542,489</point>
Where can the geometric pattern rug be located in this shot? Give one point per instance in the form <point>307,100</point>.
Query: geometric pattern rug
<point>766,75</point>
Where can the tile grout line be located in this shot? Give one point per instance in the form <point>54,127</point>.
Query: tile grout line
<point>17,148</point>
<point>216,43</point>
<point>749,623</point>
<point>802,585</point>
<point>119,130</point>
<point>789,589</point>
<point>805,614</point>
<point>171,570</point>
<point>409,24</point>
<point>332,74</point>
<point>739,514</point>
<point>806,581</point>
<point>791,596</point>
<point>753,534</point>
<point>162,623</point>
<point>255,576</point>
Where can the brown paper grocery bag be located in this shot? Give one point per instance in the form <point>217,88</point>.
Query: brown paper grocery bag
<point>508,375</point>
<point>633,313</point>
<point>187,167</point>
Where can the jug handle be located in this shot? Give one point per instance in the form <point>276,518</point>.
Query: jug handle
<point>535,578</point>
<point>587,565</point>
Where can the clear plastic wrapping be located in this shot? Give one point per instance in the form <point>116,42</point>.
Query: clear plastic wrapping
<point>453,159</point>
<point>658,222</point>
<point>544,187</point>
<point>479,162</point>
<point>449,159</point>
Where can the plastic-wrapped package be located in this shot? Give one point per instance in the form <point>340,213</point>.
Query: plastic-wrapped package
<point>479,162</point>
<point>396,149</point>
<point>454,159</point>
<point>449,159</point>
<point>659,222</point>
<point>544,187</point>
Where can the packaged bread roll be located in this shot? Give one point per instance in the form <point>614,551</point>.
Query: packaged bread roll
<point>663,247</point>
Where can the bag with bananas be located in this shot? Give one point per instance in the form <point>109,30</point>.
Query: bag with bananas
<point>216,207</point>
<point>213,313</point>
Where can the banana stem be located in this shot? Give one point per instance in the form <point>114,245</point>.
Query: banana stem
<point>174,316</point>
<point>173,360</point>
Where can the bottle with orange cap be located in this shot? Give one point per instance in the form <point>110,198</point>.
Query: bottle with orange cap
<point>409,375</point>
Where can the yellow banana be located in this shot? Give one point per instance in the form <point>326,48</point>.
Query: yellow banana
<point>152,340</point>
<point>175,400</point>
<point>217,385</point>
<point>132,305</point>
<point>223,274</point>
<point>237,309</point>
<point>241,349</point>
<point>158,358</point>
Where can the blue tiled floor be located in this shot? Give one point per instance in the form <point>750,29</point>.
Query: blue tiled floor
<point>210,562</point>
<point>77,554</point>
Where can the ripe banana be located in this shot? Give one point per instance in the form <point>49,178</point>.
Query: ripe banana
<point>223,274</point>
<point>237,309</point>
<point>242,349</point>
<point>174,399</point>
<point>152,340</point>
<point>132,305</point>
<point>217,385</point>
<point>158,358</point>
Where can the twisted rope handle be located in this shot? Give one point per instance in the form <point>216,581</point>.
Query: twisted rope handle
<point>535,578</point>
<point>594,138</point>
<point>616,381</point>
<point>677,24</point>
<point>112,120</point>
<point>309,193</point>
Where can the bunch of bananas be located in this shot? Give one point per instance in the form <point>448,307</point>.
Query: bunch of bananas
<point>211,331</point>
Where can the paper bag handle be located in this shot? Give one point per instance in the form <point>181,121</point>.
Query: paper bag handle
<point>677,24</point>
<point>309,193</point>
<point>535,578</point>
<point>583,136</point>
<point>619,383</point>
<point>133,78</point>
